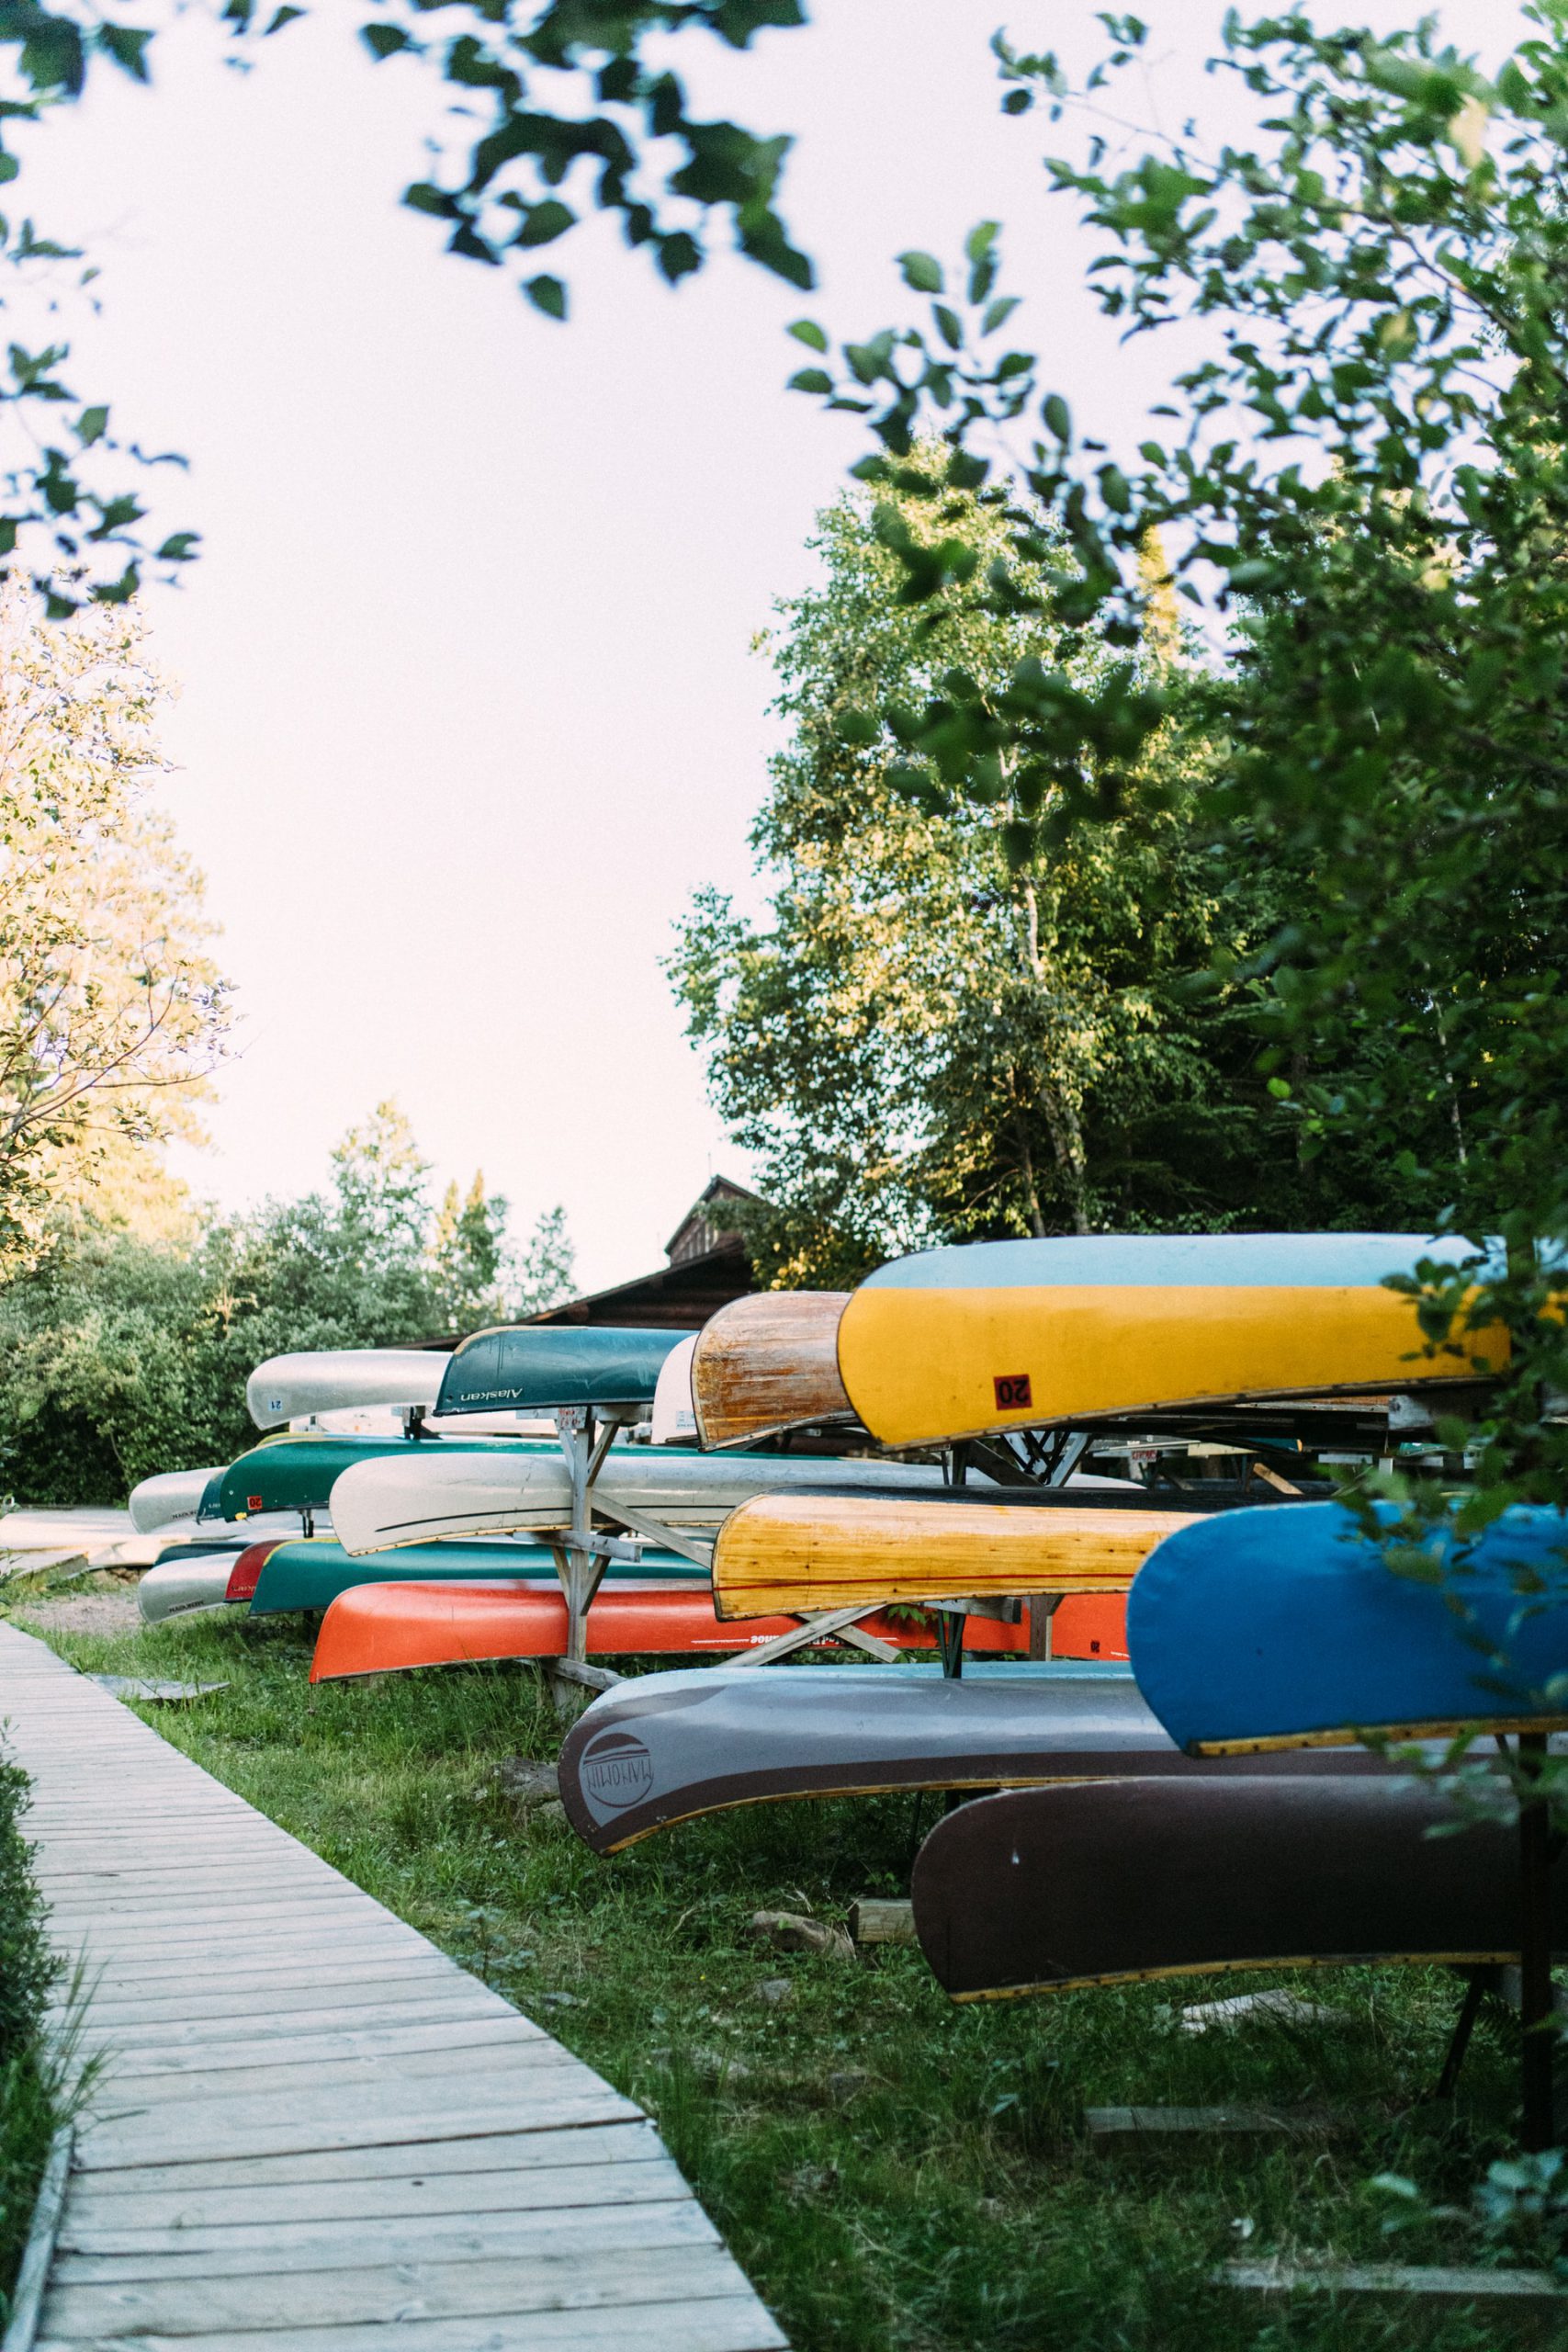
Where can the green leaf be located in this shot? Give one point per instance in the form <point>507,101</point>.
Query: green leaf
<point>922,272</point>
<point>858,727</point>
<point>282,17</point>
<point>384,40</point>
<point>1115,490</point>
<point>91,425</point>
<point>546,294</point>
<point>1057,416</point>
<point>806,330</point>
<point>179,547</point>
<point>998,312</point>
<point>981,240</point>
<point>543,223</point>
<point>810,379</point>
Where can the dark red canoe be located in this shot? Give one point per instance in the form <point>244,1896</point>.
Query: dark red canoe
<point>1051,1889</point>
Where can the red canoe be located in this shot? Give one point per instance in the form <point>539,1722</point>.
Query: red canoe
<point>389,1628</point>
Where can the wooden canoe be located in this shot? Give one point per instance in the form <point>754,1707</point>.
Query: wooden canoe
<point>665,1749</point>
<point>997,1335</point>
<point>171,1499</point>
<point>422,1493</point>
<point>817,1551</point>
<point>1115,1881</point>
<point>328,1380</point>
<point>310,1575</point>
<point>768,1364</point>
<point>1322,1639</point>
<point>299,1472</point>
<point>538,1367</point>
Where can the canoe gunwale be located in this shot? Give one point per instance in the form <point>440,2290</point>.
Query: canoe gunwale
<point>1450,1727</point>
<point>1238,1968</point>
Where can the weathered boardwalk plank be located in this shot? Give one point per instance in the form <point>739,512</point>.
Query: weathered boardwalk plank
<point>312,2128</point>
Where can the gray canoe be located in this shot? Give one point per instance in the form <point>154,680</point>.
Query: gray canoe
<point>667,1747</point>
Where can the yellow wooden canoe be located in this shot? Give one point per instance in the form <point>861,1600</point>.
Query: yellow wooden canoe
<point>1017,1334</point>
<point>793,1555</point>
<point>768,1364</point>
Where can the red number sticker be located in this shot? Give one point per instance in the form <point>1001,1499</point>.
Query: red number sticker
<point>1012,1392</point>
<point>253,1503</point>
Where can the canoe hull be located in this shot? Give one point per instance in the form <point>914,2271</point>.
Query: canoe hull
<point>300,1576</point>
<point>807,1552</point>
<point>327,1380</point>
<point>670,1748</point>
<point>419,1496</point>
<point>997,1335</point>
<point>540,1367</point>
<point>170,1499</point>
<point>1056,1889</point>
<point>1322,1636</point>
<point>768,1364</point>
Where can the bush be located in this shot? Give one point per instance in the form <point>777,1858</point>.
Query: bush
<point>29,2094</point>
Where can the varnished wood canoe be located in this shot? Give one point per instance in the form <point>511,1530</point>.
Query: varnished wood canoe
<point>538,1367</point>
<point>291,1577</point>
<point>1322,1639</point>
<point>329,1380</point>
<point>821,1551</point>
<point>171,1499</point>
<point>1011,1334</point>
<point>768,1364</point>
<point>664,1749</point>
<point>1054,1889</point>
<point>420,1493</point>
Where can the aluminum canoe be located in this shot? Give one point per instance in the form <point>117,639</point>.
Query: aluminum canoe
<point>538,1367</point>
<point>1114,1881</point>
<point>667,1747</point>
<point>807,1552</point>
<point>297,1472</point>
<point>171,1499</point>
<point>1322,1638</point>
<point>327,1380</point>
<point>413,1497</point>
<point>996,1335</point>
<point>193,1576</point>
<point>768,1364</point>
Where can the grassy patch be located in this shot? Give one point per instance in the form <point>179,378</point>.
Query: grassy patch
<point>894,2173</point>
<point>31,2105</point>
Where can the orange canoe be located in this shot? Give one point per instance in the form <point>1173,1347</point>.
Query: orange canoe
<point>386,1629</point>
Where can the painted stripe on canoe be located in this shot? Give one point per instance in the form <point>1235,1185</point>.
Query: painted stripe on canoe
<point>806,1553</point>
<point>768,1364</point>
<point>1322,1638</point>
<point>1016,1334</point>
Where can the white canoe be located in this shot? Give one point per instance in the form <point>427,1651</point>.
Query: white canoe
<point>674,1412</point>
<point>170,1499</point>
<point>377,1504</point>
<point>331,1380</point>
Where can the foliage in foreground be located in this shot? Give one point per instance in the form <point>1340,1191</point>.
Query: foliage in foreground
<point>122,1355</point>
<point>29,2089</point>
<point>890,2169</point>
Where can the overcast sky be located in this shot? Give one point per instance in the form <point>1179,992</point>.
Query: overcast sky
<point>468,706</point>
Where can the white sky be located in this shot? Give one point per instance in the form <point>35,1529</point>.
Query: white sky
<point>468,704</point>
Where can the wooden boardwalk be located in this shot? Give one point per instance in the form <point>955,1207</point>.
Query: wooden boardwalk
<point>314,2130</point>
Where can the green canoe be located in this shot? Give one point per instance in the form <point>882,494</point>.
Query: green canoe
<point>537,1368</point>
<point>310,1573</point>
<point>297,1472</point>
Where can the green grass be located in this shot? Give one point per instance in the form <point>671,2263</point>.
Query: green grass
<point>896,2174</point>
<point>32,2088</point>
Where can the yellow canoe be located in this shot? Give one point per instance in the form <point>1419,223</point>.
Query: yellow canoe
<point>792,1554</point>
<point>768,1364</point>
<point>999,1335</point>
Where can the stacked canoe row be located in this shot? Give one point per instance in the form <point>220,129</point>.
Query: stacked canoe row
<point>906,1468</point>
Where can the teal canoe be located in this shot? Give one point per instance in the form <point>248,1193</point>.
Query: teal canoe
<point>299,1472</point>
<point>539,1367</point>
<point>310,1573</point>
<point>1273,1628</point>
